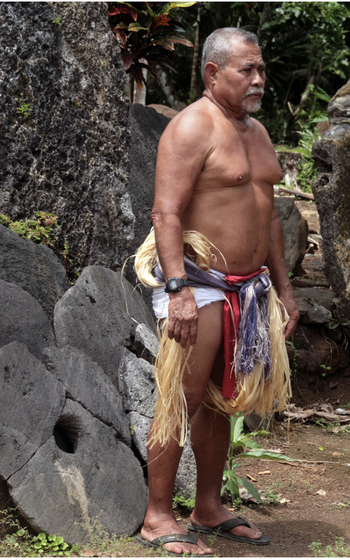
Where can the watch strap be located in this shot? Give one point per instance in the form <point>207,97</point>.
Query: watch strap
<point>175,284</point>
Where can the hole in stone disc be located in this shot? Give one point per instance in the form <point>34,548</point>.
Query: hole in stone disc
<point>66,433</point>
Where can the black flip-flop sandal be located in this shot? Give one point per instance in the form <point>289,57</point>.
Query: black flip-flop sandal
<point>222,530</point>
<point>161,541</point>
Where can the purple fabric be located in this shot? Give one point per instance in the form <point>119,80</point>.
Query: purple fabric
<point>197,277</point>
<point>253,345</point>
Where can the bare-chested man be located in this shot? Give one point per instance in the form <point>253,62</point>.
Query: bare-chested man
<point>216,169</point>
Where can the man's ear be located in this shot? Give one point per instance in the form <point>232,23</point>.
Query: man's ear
<point>211,73</point>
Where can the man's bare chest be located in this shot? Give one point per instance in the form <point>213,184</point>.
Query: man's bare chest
<point>235,161</point>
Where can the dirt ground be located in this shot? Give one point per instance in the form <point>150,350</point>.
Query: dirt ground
<point>306,516</point>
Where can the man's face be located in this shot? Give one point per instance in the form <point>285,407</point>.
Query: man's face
<point>240,86</point>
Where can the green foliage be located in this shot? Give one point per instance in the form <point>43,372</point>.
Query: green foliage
<point>293,365</point>
<point>325,369</point>
<point>340,326</point>
<point>38,231</point>
<point>231,481</point>
<point>304,44</point>
<point>24,109</point>
<point>57,21</point>
<point>147,31</point>
<point>107,545</point>
<point>19,542</point>
<point>340,549</point>
<point>270,496</point>
<point>184,501</point>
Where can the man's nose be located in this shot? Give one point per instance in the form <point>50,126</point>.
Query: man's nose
<point>258,78</point>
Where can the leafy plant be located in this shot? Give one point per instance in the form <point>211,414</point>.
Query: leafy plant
<point>340,326</point>
<point>231,480</point>
<point>57,21</point>
<point>46,545</point>
<point>338,552</point>
<point>325,369</point>
<point>270,496</point>
<point>38,231</point>
<point>66,259</point>
<point>184,501</point>
<point>24,109</point>
<point>19,541</point>
<point>147,31</point>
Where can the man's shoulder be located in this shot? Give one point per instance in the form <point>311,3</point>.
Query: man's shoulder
<point>194,120</point>
<point>260,127</point>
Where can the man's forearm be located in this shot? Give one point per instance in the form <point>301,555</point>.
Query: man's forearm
<point>168,234</point>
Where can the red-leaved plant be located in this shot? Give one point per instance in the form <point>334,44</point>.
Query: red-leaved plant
<point>147,32</point>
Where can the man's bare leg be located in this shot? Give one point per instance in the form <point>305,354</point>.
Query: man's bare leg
<point>163,463</point>
<point>210,436</point>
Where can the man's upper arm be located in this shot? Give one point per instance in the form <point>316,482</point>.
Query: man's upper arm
<point>182,151</point>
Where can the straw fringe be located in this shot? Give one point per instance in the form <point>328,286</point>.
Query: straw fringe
<point>254,392</point>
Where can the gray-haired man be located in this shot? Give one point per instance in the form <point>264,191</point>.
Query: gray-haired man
<point>216,169</point>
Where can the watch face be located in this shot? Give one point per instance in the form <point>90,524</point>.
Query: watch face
<point>173,284</point>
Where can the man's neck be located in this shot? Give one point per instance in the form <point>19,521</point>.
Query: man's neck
<point>241,116</point>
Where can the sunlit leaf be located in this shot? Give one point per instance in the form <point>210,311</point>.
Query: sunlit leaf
<point>123,9</point>
<point>262,454</point>
<point>159,20</point>
<point>249,487</point>
<point>171,5</point>
<point>136,27</point>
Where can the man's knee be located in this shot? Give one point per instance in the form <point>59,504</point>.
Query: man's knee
<point>193,400</point>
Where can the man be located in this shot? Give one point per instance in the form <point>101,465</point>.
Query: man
<point>215,173</point>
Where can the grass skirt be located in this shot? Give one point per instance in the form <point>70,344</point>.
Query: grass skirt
<point>254,392</point>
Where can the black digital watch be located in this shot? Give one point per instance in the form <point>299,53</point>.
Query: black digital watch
<point>175,284</point>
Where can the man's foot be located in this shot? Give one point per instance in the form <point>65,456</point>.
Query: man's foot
<point>212,519</point>
<point>168,526</point>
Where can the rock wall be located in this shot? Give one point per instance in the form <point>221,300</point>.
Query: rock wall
<point>69,153</point>
<point>332,195</point>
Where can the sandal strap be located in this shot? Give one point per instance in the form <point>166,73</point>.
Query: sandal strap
<point>230,524</point>
<point>190,538</point>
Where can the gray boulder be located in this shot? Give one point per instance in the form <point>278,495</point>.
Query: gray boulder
<point>23,319</point>
<point>320,296</point>
<point>96,316</point>
<point>312,313</point>
<point>69,153</point>
<point>87,384</point>
<point>137,385</point>
<point>294,228</point>
<point>33,267</point>
<point>31,401</point>
<point>100,479</point>
<point>63,461</point>
<point>332,195</point>
<point>138,389</point>
<point>147,126</point>
<point>146,344</point>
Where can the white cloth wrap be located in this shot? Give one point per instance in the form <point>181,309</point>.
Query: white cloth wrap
<point>203,296</point>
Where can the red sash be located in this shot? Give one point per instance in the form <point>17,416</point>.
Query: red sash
<point>231,330</point>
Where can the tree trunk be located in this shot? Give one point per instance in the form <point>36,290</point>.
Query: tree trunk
<point>304,97</point>
<point>264,17</point>
<point>193,86</point>
<point>165,85</point>
<point>140,94</point>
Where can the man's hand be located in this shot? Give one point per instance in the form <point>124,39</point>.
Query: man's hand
<point>292,310</point>
<point>183,317</point>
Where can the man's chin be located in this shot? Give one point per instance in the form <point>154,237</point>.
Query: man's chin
<point>251,106</point>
